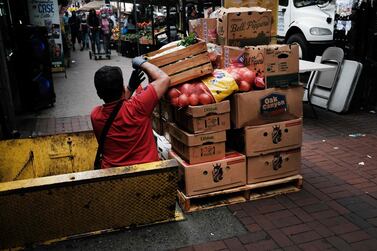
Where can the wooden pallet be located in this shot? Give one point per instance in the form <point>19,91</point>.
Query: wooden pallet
<point>185,64</point>
<point>256,191</point>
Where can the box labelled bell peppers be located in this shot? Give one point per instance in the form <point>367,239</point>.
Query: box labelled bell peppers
<point>182,64</point>
<point>278,64</point>
<point>266,106</point>
<point>273,166</point>
<point>268,138</point>
<point>211,176</point>
<point>204,118</point>
<point>204,28</point>
<point>244,26</point>
<point>197,148</point>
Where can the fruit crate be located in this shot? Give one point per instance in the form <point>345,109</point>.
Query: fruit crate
<point>185,64</point>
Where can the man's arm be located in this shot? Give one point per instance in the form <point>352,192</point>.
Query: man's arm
<point>160,80</point>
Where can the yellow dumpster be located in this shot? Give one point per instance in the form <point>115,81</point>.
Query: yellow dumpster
<point>48,190</point>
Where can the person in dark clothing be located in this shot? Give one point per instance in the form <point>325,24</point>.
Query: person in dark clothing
<point>94,30</point>
<point>84,32</point>
<point>74,24</point>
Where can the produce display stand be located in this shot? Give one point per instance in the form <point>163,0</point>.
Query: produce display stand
<point>236,195</point>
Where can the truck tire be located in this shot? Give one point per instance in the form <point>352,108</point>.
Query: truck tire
<point>301,41</point>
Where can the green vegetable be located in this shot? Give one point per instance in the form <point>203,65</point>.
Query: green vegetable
<point>189,40</point>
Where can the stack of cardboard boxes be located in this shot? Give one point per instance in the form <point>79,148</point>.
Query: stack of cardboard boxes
<point>198,141</point>
<point>254,136</point>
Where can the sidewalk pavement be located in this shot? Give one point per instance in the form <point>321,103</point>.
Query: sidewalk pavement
<point>335,210</point>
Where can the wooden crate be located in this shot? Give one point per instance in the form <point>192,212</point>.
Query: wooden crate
<point>245,193</point>
<point>184,65</point>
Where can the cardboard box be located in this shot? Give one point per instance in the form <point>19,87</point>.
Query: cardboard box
<point>278,64</point>
<point>266,106</point>
<point>211,176</point>
<point>244,26</point>
<point>273,166</point>
<point>272,5</point>
<point>204,118</point>
<point>204,28</point>
<point>198,148</point>
<point>232,55</point>
<point>268,138</point>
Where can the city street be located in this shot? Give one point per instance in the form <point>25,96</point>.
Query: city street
<point>336,209</point>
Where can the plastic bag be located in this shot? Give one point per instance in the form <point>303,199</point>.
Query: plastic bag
<point>221,84</point>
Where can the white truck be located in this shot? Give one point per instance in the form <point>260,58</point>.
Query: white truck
<point>308,23</point>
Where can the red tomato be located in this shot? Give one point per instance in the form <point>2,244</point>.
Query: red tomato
<point>194,99</point>
<point>183,100</point>
<point>205,99</point>
<point>186,89</point>
<point>201,87</point>
<point>173,93</point>
<point>174,102</point>
<point>259,83</point>
<point>244,86</point>
<point>249,76</point>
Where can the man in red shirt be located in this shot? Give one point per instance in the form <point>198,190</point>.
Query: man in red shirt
<point>130,138</point>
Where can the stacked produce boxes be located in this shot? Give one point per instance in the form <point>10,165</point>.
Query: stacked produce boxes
<point>251,133</point>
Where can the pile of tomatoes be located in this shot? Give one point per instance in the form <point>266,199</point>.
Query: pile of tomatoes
<point>195,93</point>
<point>246,79</point>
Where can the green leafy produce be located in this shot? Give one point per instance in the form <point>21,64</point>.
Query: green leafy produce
<point>189,40</point>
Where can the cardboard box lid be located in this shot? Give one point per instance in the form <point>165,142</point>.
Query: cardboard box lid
<point>229,156</point>
<point>242,9</point>
<point>204,110</point>
<point>196,139</point>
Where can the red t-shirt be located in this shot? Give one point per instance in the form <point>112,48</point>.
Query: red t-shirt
<point>130,138</point>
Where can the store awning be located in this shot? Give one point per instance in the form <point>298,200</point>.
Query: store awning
<point>97,4</point>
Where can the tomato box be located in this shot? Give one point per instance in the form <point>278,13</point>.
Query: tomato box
<point>273,166</point>
<point>268,138</point>
<point>266,106</point>
<point>212,176</point>
<point>204,118</point>
<point>244,26</point>
<point>198,148</point>
<point>204,28</point>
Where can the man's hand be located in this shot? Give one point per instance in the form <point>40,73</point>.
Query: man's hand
<point>137,77</point>
<point>137,62</point>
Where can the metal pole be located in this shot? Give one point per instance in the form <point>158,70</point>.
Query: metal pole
<point>152,19</point>
<point>135,14</point>
<point>119,28</point>
<point>6,104</point>
<point>168,22</point>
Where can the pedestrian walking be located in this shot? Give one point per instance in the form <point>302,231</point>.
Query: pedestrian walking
<point>94,30</point>
<point>106,27</point>
<point>84,30</point>
<point>74,24</point>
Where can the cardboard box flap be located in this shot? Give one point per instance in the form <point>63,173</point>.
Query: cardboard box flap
<point>196,139</point>
<point>204,110</point>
